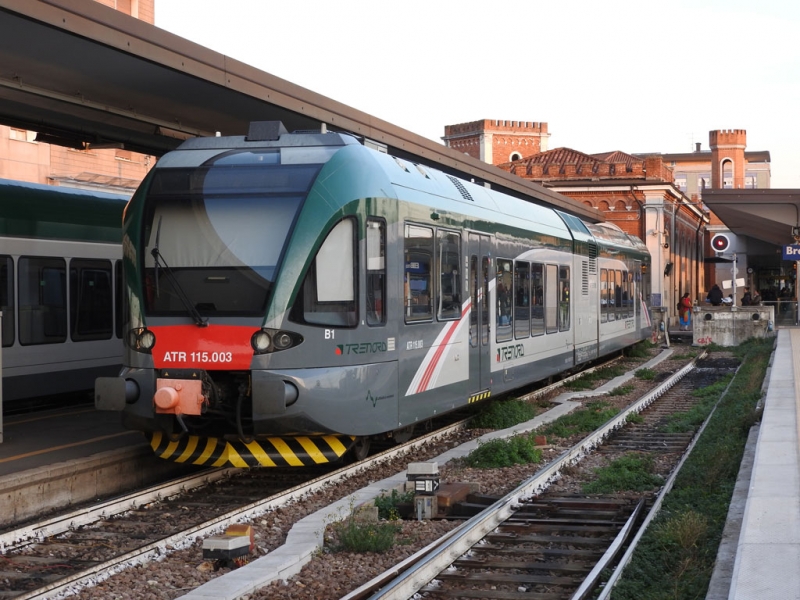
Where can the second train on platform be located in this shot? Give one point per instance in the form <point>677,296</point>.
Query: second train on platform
<point>292,295</point>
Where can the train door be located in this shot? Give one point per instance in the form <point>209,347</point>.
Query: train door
<point>479,256</point>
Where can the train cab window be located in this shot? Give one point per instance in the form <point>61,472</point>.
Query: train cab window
<point>7,298</point>
<point>563,299</point>
<point>551,299</point>
<point>418,284</point>
<point>376,272</point>
<point>42,300</point>
<point>448,296</point>
<point>91,300</point>
<point>537,299</point>
<point>522,304</point>
<point>504,286</point>
<point>328,293</point>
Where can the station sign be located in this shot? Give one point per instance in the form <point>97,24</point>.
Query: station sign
<point>791,252</point>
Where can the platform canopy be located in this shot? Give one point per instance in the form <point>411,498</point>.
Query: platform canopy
<point>767,215</point>
<point>82,74</point>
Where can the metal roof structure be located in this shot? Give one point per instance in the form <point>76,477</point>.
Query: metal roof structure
<point>766,214</point>
<point>80,73</point>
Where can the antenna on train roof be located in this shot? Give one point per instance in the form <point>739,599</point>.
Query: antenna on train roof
<point>265,131</point>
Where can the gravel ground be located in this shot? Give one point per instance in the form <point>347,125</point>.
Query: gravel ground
<point>332,574</point>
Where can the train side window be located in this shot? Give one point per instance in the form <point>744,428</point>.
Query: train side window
<point>603,295</point>
<point>376,271</point>
<point>485,267</point>
<point>522,304</point>
<point>91,300</point>
<point>504,286</point>
<point>418,259</point>
<point>551,298</point>
<point>328,293</point>
<point>7,298</point>
<point>448,296</point>
<point>42,300</point>
<point>563,299</point>
<point>537,299</point>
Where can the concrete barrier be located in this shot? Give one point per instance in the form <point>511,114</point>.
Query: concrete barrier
<point>731,325</point>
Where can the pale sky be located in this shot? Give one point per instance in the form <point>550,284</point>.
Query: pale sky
<point>632,76</point>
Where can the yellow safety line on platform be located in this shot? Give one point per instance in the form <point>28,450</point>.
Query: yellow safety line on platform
<point>9,421</point>
<point>55,448</point>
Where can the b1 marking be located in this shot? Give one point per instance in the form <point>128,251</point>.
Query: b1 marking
<point>330,334</point>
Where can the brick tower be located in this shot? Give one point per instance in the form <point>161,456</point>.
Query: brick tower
<point>727,157</point>
<point>497,142</point>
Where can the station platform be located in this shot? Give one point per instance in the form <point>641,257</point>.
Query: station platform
<point>760,553</point>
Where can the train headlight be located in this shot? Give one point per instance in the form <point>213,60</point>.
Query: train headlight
<point>141,339</point>
<point>282,340</point>
<point>260,342</point>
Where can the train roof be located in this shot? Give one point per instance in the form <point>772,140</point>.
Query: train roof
<point>45,211</point>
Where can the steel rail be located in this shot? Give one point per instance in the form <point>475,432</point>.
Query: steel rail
<point>476,528</point>
<point>143,554</point>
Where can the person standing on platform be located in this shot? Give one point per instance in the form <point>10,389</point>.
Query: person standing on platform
<point>747,299</point>
<point>715,295</point>
<point>685,312</point>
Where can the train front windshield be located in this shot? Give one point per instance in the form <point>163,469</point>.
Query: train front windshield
<point>213,236</point>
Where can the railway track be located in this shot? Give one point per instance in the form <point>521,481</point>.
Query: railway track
<point>70,551</point>
<point>534,543</point>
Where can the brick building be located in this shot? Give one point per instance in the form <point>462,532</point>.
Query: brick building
<point>497,142</point>
<point>26,155</point>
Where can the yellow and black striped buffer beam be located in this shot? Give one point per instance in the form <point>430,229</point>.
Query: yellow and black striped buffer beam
<point>297,451</point>
<point>479,396</point>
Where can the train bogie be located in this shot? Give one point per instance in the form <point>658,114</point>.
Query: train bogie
<point>307,287</point>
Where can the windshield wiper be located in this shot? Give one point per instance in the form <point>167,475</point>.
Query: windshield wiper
<point>179,291</point>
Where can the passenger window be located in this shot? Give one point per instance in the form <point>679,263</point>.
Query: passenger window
<point>7,298</point>
<point>563,299</point>
<point>551,299</point>
<point>448,297</point>
<point>418,258</point>
<point>376,272</point>
<point>522,304</point>
<point>42,300</point>
<point>505,299</point>
<point>328,293</point>
<point>537,299</point>
<point>603,296</point>
<point>90,300</point>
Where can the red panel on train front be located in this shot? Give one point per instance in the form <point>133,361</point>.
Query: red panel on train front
<point>215,347</point>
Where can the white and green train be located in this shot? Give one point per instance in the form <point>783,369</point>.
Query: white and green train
<point>293,295</point>
<point>60,292</point>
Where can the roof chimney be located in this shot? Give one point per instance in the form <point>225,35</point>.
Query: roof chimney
<point>697,146</point>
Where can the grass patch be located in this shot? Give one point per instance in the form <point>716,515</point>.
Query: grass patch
<point>516,450</point>
<point>645,374</point>
<point>387,503</point>
<point>694,417</point>
<point>589,381</point>
<point>353,535</point>
<point>583,420</point>
<point>501,414</point>
<point>676,555</point>
<point>621,390</point>
<point>685,355</point>
<point>635,418</point>
<point>632,472</point>
<point>640,350</point>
